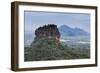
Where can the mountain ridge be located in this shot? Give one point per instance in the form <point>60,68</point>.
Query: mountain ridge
<point>65,30</point>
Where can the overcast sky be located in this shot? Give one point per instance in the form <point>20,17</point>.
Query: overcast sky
<point>35,19</point>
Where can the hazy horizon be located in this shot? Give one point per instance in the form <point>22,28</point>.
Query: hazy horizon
<point>35,19</point>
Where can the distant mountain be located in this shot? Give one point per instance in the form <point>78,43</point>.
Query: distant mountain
<point>68,31</point>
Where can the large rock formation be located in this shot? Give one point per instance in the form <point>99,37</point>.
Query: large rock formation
<point>46,46</point>
<point>47,31</point>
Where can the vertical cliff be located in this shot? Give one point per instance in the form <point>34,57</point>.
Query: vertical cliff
<point>47,31</point>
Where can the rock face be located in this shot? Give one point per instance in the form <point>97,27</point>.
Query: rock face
<point>48,31</point>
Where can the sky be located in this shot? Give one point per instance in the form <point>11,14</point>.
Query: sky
<point>35,19</point>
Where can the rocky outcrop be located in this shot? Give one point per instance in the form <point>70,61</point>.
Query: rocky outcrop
<point>48,31</point>
<point>46,46</point>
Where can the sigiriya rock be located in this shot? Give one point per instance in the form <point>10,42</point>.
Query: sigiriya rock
<point>47,31</point>
<point>47,46</point>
